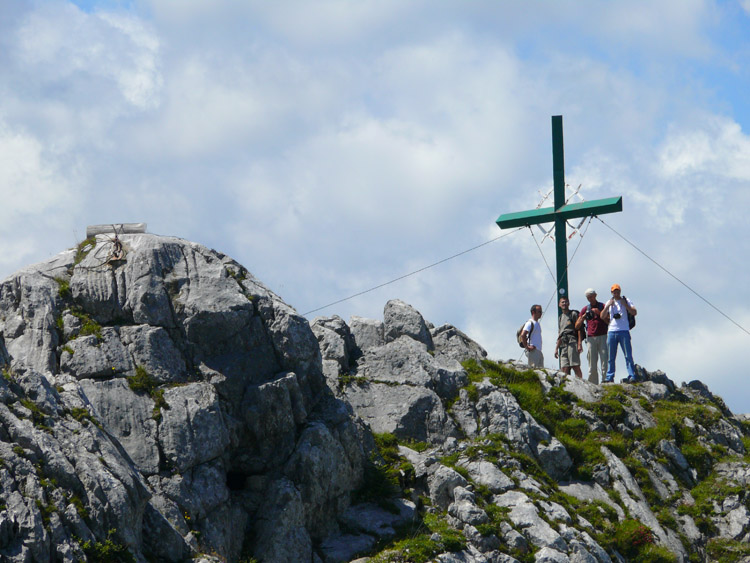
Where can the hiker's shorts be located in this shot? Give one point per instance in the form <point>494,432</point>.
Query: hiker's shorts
<point>535,358</point>
<point>569,355</point>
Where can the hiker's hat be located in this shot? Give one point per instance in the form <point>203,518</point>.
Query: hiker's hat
<point>589,291</point>
<point>615,286</point>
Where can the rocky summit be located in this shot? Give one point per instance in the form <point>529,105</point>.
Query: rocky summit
<point>159,403</point>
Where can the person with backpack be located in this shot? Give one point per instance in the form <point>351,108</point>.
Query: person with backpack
<point>569,345</point>
<point>531,338</point>
<point>596,336</point>
<point>619,312</point>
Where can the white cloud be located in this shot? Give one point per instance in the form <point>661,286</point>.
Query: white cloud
<point>672,26</point>
<point>705,351</point>
<point>36,195</point>
<point>716,146</point>
<point>29,182</point>
<point>61,43</point>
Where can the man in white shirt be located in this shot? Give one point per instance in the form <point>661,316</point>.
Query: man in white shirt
<point>615,313</point>
<point>532,338</point>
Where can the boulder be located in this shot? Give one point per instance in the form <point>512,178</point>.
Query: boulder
<point>401,319</point>
<point>409,412</point>
<point>337,346</point>
<point>452,344</point>
<point>367,334</point>
<point>405,361</point>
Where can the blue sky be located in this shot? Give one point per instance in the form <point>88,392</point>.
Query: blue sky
<point>333,146</point>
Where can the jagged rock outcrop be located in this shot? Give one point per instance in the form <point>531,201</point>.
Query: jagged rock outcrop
<point>169,404</point>
<point>169,407</point>
<point>399,378</point>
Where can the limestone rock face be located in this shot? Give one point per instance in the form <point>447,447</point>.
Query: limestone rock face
<point>168,403</point>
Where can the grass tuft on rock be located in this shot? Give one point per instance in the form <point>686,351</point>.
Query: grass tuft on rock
<point>144,382</point>
<point>106,551</point>
<point>83,249</point>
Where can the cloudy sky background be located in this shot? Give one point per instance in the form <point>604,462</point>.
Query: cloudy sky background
<point>333,146</point>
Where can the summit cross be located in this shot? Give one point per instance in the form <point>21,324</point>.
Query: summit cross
<point>561,212</point>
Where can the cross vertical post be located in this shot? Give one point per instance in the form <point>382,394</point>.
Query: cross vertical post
<point>558,176</point>
<point>561,212</point>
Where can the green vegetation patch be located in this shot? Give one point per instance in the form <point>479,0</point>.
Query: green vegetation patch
<point>79,506</point>
<point>47,510</point>
<point>38,418</point>
<point>106,551</point>
<point>636,542</point>
<point>88,325</point>
<point>81,414</point>
<point>490,447</point>
<point>239,275</point>
<point>144,382</point>
<point>159,403</point>
<point>704,495</point>
<point>670,416</point>
<point>63,289</point>
<point>386,473</point>
<point>419,546</point>
<point>526,388</point>
<point>726,550</point>
<point>555,410</point>
<point>83,249</point>
<point>641,475</point>
<point>600,514</point>
<point>610,408</point>
<point>347,379</point>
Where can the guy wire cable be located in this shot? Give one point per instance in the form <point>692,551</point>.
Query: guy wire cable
<point>531,230</point>
<point>678,279</point>
<point>414,272</point>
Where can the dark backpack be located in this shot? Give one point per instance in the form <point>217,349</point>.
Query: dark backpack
<point>631,321</point>
<point>519,339</point>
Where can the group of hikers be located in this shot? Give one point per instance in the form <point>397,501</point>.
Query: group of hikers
<point>607,326</point>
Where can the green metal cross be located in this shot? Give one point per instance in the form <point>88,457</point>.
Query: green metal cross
<point>560,213</point>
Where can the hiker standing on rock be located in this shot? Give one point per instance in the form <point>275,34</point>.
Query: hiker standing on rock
<point>596,336</point>
<point>532,338</point>
<point>616,313</point>
<point>569,343</point>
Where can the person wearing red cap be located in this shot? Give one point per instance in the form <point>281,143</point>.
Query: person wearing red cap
<point>615,313</point>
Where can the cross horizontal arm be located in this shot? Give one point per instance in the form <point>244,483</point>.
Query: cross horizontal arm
<point>571,211</point>
<point>525,218</point>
